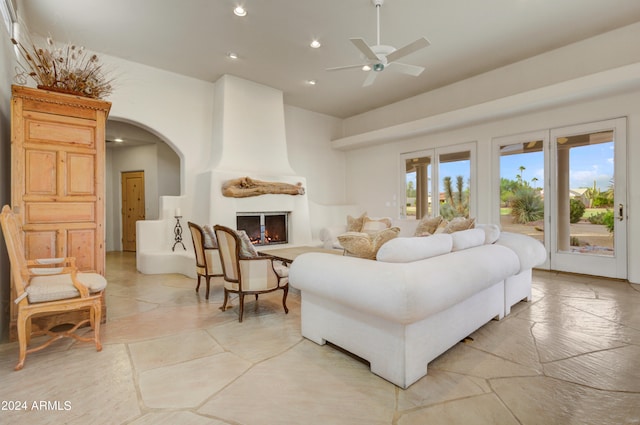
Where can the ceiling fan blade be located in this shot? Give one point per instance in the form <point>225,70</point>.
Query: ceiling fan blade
<point>338,68</point>
<point>371,77</point>
<point>364,48</point>
<point>406,68</point>
<point>420,43</point>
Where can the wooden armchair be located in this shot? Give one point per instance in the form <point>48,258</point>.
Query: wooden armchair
<point>207,258</point>
<point>245,274</point>
<point>49,286</point>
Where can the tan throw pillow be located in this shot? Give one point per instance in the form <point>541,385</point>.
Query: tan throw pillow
<point>210,240</point>
<point>354,224</point>
<point>247,249</point>
<point>460,223</point>
<point>365,245</point>
<point>372,226</point>
<point>442,227</point>
<point>427,226</point>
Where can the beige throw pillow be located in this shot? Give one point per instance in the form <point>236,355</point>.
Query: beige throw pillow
<point>459,223</point>
<point>442,227</point>
<point>247,249</point>
<point>210,240</point>
<point>354,224</point>
<point>372,226</point>
<point>365,245</point>
<point>427,226</point>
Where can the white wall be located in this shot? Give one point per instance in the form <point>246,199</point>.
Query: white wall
<point>310,155</point>
<point>168,172</point>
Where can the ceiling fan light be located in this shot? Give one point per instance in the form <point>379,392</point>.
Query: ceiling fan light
<point>315,44</point>
<point>366,68</point>
<point>378,67</point>
<point>240,11</point>
<point>232,55</point>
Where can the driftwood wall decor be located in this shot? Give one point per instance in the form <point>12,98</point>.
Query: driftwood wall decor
<point>244,187</point>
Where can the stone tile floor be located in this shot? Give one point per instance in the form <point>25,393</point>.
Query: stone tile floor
<point>572,356</point>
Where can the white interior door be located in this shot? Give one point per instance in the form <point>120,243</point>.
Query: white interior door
<point>588,163</point>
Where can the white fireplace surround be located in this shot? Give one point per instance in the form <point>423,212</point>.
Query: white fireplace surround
<point>249,141</point>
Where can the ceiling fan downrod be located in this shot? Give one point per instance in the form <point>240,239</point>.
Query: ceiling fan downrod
<point>377,4</point>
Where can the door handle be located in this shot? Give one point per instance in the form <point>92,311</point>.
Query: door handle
<point>620,212</point>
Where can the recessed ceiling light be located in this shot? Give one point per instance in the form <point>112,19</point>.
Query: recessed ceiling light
<point>118,140</point>
<point>366,68</point>
<point>315,44</point>
<point>232,55</point>
<point>240,11</point>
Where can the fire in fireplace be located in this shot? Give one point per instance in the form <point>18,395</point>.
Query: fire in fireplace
<point>264,228</point>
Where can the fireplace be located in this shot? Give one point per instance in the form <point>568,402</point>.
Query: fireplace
<point>264,228</point>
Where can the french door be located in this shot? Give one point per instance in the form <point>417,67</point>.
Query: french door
<point>595,242</point>
<point>567,188</point>
<point>438,182</point>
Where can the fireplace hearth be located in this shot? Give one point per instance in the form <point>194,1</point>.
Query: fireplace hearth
<point>264,228</point>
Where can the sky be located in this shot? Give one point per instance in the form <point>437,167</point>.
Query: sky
<point>588,164</point>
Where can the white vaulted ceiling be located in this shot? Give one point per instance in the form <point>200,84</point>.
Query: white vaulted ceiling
<point>192,37</point>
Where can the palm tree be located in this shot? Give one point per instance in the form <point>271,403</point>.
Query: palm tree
<point>519,176</point>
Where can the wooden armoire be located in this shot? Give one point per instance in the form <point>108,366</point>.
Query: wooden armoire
<point>58,181</point>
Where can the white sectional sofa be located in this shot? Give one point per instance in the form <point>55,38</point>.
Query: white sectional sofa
<point>421,296</point>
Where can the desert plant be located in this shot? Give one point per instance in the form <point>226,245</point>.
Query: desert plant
<point>576,210</point>
<point>597,218</point>
<point>608,220</point>
<point>604,218</point>
<point>526,206</point>
<point>457,202</point>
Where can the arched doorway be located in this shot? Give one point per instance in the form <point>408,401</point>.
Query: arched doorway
<point>131,147</point>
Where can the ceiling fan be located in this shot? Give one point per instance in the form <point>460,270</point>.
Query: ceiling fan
<point>381,57</point>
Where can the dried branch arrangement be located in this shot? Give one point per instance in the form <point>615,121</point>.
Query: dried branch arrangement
<point>70,69</point>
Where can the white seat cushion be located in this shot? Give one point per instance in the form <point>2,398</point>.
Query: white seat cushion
<point>60,287</point>
<point>406,250</point>
<point>465,239</point>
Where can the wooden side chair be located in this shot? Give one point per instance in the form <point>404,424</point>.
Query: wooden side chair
<point>50,285</point>
<point>207,257</point>
<point>245,272</point>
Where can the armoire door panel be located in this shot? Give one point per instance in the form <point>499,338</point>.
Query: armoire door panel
<point>43,131</point>
<point>40,244</point>
<point>60,212</point>
<point>81,244</point>
<point>41,172</point>
<point>80,174</point>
